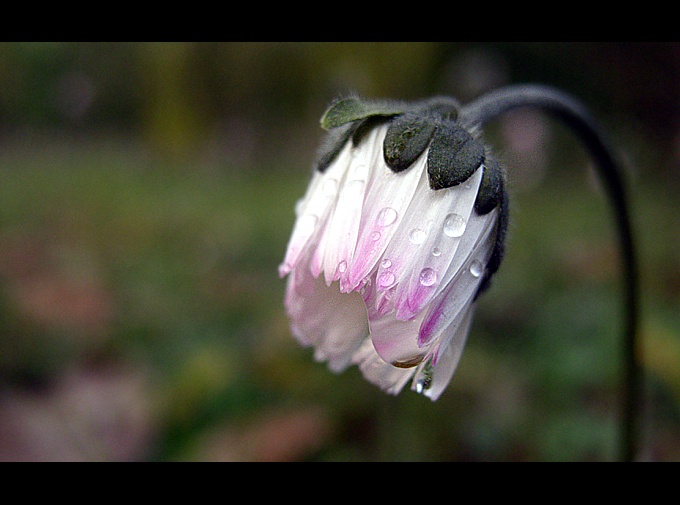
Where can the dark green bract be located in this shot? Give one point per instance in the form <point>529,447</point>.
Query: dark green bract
<point>453,157</point>
<point>407,138</point>
<point>351,109</point>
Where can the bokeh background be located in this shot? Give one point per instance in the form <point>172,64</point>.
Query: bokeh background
<point>146,199</point>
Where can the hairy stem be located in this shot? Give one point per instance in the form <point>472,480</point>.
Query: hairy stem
<point>572,113</point>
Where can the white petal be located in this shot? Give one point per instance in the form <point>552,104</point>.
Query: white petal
<point>314,209</point>
<point>478,230</point>
<point>399,253</point>
<point>343,229</point>
<point>334,323</point>
<point>395,341</point>
<point>427,269</point>
<point>432,378</point>
<point>336,175</point>
<point>387,198</point>
<point>376,371</point>
<point>465,274</point>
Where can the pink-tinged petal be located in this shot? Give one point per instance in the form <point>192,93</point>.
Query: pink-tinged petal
<point>388,196</point>
<point>387,377</point>
<point>415,241</point>
<point>334,323</point>
<point>395,341</point>
<point>432,377</point>
<point>314,209</point>
<point>478,230</point>
<point>383,302</point>
<point>461,288</point>
<point>343,228</point>
<point>407,237</point>
<point>427,269</point>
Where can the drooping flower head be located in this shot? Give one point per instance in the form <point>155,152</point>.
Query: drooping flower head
<point>400,230</point>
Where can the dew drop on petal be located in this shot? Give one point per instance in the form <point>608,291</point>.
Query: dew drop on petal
<point>386,263</point>
<point>428,276</point>
<point>454,225</point>
<point>476,268</point>
<point>375,236</point>
<point>386,279</point>
<point>342,266</point>
<point>436,251</point>
<point>425,380</point>
<point>417,236</point>
<point>387,216</point>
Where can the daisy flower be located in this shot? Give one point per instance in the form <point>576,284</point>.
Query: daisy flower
<point>400,230</point>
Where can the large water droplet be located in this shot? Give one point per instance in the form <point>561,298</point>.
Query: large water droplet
<point>417,236</point>
<point>428,276</point>
<point>454,225</point>
<point>424,381</point>
<point>476,268</point>
<point>387,216</point>
<point>386,279</point>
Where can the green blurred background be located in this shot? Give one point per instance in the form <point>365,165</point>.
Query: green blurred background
<point>146,198</point>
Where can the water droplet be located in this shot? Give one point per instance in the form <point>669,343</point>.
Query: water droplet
<point>342,266</point>
<point>387,216</point>
<point>423,384</point>
<point>417,236</point>
<point>476,268</point>
<point>375,236</point>
<point>306,224</point>
<point>454,225</point>
<point>330,187</point>
<point>428,276</point>
<point>425,380</point>
<point>386,279</point>
<point>386,263</point>
<point>436,251</point>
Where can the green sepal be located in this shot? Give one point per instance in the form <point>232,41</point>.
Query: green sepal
<point>333,144</point>
<point>492,195</point>
<point>491,188</point>
<point>498,251</point>
<point>453,157</point>
<point>350,109</point>
<point>406,139</point>
<point>364,127</point>
<point>441,107</point>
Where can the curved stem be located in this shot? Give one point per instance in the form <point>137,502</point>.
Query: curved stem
<point>571,112</point>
